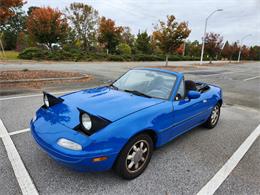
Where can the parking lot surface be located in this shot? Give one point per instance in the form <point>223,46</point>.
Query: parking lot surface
<point>183,166</point>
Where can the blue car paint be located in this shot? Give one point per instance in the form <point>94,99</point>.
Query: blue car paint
<point>129,115</point>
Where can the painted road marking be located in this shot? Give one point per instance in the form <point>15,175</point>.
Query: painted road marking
<point>251,78</point>
<point>35,95</point>
<point>19,131</point>
<point>24,180</point>
<point>232,162</point>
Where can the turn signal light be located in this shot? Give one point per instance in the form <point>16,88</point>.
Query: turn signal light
<point>98,159</point>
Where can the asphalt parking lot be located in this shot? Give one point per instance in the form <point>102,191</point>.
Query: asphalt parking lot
<point>184,166</point>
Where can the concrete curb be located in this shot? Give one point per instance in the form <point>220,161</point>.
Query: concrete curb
<point>45,79</point>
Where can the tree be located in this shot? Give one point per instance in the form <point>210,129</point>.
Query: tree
<point>180,50</point>
<point>170,35</point>
<point>47,26</point>
<point>193,48</point>
<point>254,53</point>
<point>30,9</point>
<point>235,51</point>
<point>11,22</point>
<point>127,37</point>
<point>8,9</point>
<point>245,52</point>
<point>213,45</point>
<point>124,48</point>
<point>109,34</point>
<point>83,20</point>
<point>227,51</point>
<point>143,43</point>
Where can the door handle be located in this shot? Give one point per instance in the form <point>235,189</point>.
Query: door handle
<point>205,101</point>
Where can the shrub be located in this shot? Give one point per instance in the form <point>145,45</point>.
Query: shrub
<point>33,53</point>
<point>124,48</point>
<point>72,54</point>
<point>116,58</point>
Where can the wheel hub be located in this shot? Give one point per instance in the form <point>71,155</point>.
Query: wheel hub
<point>138,155</point>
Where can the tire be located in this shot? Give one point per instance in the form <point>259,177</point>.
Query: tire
<point>137,151</point>
<point>213,118</point>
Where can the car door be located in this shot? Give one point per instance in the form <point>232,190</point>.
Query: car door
<point>187,113</point>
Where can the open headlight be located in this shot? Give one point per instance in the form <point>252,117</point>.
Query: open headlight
<point>50,100</point>
<point>89,123</point>
<point>86,121</point>
<point>65,143</point>
<point>45,100</point>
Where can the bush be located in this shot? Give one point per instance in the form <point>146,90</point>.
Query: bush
<point>72,54</point>
<point>124,48</point>
<point>146,57</point>
<point>33,53</point>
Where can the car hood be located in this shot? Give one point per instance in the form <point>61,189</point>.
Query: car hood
<point>103,102</point>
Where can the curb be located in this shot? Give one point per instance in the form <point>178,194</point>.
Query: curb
<point>44,79</point>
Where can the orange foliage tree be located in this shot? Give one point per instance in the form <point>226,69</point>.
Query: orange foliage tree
<point>109,34</point>
<point>7,9</point>
<point>47,26</point>
<point>170,35</point>
<point>213,44</point>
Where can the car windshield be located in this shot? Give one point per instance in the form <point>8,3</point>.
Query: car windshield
<point>148,83</point>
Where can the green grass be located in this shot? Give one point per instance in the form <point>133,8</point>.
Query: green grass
<point>9,55</point>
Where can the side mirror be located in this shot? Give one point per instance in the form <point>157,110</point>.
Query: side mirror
<point>193,94</point>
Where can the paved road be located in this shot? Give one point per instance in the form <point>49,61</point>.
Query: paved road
<point>183,166</point>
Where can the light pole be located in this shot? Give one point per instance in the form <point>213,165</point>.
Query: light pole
<point>240,48</point>
<point>205,30</point>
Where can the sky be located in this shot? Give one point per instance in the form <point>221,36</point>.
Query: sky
<point>238,18</point>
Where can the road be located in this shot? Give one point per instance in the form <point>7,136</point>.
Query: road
<point>183,166</point>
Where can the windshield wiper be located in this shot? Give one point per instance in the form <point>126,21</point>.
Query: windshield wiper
<point>113,86</point>
<point>137,93</point>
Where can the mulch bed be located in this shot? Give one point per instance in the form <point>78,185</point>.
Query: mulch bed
<point>35,74</point>
<point>39,74</point>
<point>174,68</point>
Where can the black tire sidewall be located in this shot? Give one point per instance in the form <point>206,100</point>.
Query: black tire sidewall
<point>120,167</point>
<point>208,123</point>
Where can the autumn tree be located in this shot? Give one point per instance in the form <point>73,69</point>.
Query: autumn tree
<point>213,44</point>
<point>193,48</point>
<point>30,9</point>
<point>47,26</point>
<point>227,51</point>
<point>254,53</point>
<point>143,43</point>
<point>127,37</point>
<point>8,9</point>
<point>109,34</point>
<point>170,35</point>
<point>12,27</point>
<point>83,20</point>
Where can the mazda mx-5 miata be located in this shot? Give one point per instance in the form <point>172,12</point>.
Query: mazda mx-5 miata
<point>118,126</point>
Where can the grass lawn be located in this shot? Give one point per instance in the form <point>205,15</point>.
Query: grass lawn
<point>9,55</point>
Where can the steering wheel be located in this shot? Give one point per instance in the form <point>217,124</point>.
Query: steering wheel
<point>158,92</point>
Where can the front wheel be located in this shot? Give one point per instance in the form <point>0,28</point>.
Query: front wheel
<point>134,157</point>
<point>213,118</point>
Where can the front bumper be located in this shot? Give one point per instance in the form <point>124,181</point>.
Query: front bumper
<point>47,134</point>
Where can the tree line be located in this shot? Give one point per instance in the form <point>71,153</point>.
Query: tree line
<point>80,28</point>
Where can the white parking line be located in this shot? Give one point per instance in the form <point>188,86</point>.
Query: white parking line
<point>251,78</point>
<point>19,131</point>
<point>24,180</point>
<point>34,95</point>
<point>232,162</point>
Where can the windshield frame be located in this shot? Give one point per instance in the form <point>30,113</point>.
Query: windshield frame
<point>153,70</point>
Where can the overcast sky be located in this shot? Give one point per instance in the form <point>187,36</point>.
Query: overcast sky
<point>239,18</point>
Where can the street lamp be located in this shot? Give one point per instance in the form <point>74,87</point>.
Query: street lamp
<point>205,30</point>
<point>240,48</point>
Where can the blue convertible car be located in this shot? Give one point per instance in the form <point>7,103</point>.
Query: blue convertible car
<point>118,126</point>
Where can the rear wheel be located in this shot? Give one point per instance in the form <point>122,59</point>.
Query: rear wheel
<point>134,157</point>
<point>213,118</point>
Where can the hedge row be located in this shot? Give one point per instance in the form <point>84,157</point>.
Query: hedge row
<point>77,55</point>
